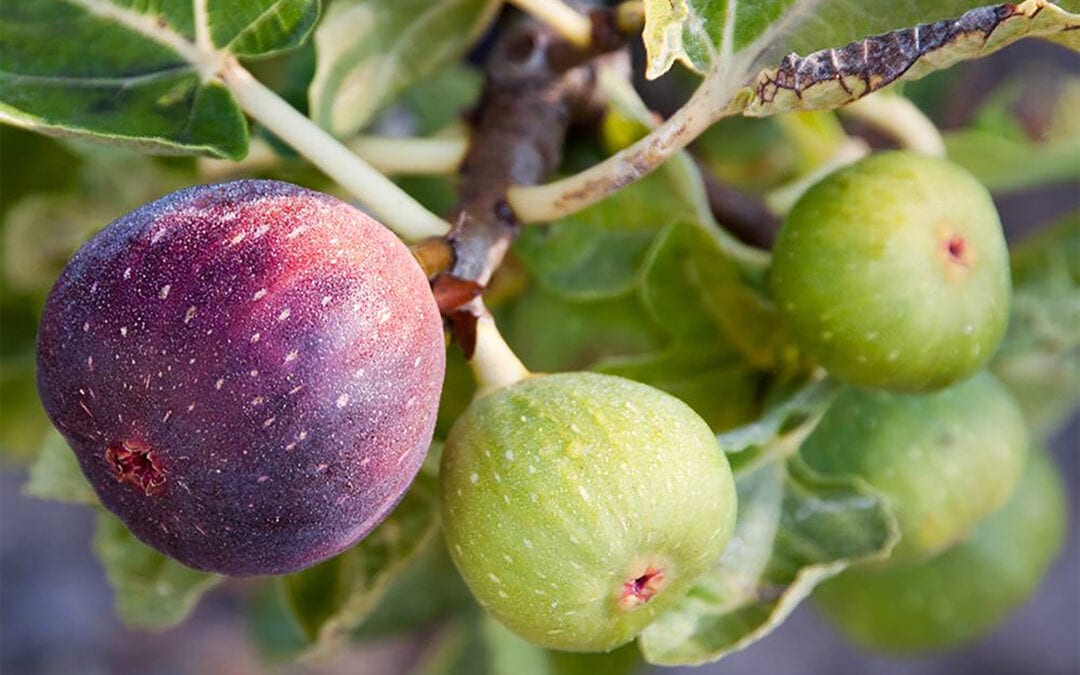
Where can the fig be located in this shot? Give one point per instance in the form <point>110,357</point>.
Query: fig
<point>893,273</point>
<point>579,506</point>
<point>944,460</point>
<point>248,373</point>
<point>967,590</point>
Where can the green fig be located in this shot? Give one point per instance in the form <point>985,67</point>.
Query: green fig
<point>944,460</point>
<point>967,590</point>
<point>893,273</point>
<point>579,506</point>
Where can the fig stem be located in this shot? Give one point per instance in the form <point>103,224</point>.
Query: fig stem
<point>900,119</point>
<point>571,24</point>
<point>411,155</point>
<point>389,203</point>
<point>537,203</point>
<point>781,199</point>
<point>494,364</point>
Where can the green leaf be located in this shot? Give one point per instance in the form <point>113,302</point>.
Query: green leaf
<point>601,252</point>
<point>830,78</point>
<point>152,591</point>
<point>440,99</point>
<point>428,590</point>
<point>260,27</point>
<point>700,364</point>
<point>369,51</point>
<point>732,41</point>
<point>55,474</point>
<point>589,330</point>
<point>1039,358</point>
<point>333,597</point>
<point>779,432</point>
<point>271,625</point>
<point>647,280</point>
<point>711,379</point>
<point>795,529</point>
<point>1007,165</point>
<point>698,32</point>
<point>508,653</point>
<point>136,73</point>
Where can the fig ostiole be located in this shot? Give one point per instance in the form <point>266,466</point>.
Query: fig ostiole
<point>944,461</point>
<point>893,273</point>
<point>248,373</point>
<point>579,506</point>
<point>967,590</point>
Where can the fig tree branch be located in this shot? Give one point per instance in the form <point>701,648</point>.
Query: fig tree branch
<point>537,85</point>
<point>745,216</point>
<point>561,198</point>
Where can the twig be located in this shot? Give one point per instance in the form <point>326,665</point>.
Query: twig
<point>537,85</point>
<point>745,216</point>
<point>494,364</point>
<point>537,203</point>
<point>899,118</point>
<point>409,155</point>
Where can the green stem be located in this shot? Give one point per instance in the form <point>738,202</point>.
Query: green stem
<point>494,364</point>
<point>393,155</point>
<point>900,118</point>
<point>563,197</point>
<point>781,199</point>
<point>389,203</point>
<point>571,24</point>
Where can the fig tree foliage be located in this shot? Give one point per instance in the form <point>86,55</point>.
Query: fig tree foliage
<point>246,374</point>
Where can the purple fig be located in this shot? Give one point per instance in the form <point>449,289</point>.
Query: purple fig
<point>248,373</point>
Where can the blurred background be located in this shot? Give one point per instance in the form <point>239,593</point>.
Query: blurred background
<point>56,606</point>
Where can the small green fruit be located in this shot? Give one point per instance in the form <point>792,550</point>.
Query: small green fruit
<point>967,590</point>
<point>893,273</point>
<point>945,460</point>
<point>579,506</point>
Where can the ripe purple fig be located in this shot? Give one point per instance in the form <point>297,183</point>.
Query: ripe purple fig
<point>248,373</point>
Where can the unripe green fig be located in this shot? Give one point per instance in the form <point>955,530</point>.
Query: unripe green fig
<point>944,460</point>
<point>579,506</point>
<point>893,273</point>
<point>967,590</point>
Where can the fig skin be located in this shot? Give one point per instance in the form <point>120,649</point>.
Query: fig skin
<point>944,460</point>
<point>893,273</point>
<point>248,373</point>
<point>967,590</point>
<point>580,506</point>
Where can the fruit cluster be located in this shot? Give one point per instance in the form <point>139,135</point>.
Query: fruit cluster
<point>249,375</point>
<point>893,275</point>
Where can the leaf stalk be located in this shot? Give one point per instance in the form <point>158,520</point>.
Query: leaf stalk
<point>388,202</point>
